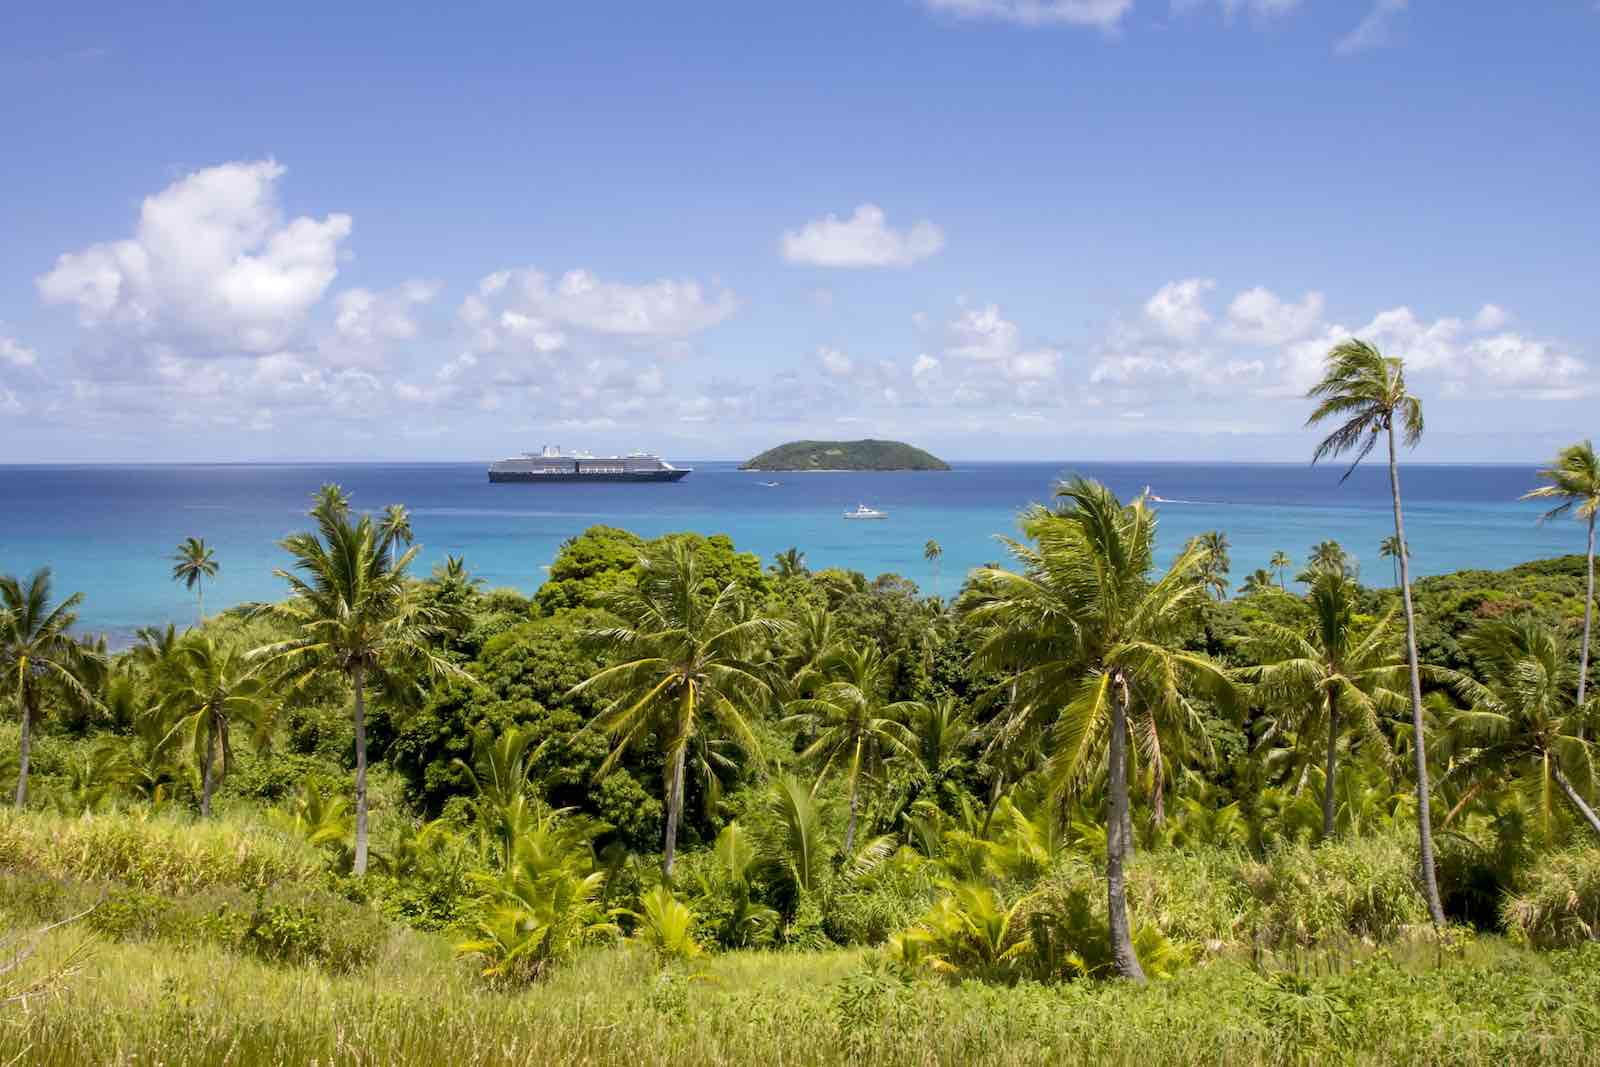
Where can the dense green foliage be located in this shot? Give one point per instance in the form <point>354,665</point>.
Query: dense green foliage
<point>892,841</point>
<point>866,455</point>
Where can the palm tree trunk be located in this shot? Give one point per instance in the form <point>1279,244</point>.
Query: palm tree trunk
<point>207,781</point>
<point>1430,880</point>
<point>1588,616</point>
<point>996,791</point>
<point>1577,801</point>
<point>674,807</point>
<point>24,747</point>
<point>199,604</point>
<point>1123,956</point>
<point>1328,806</point>
<point>358,680</point>
<point>850,827</point>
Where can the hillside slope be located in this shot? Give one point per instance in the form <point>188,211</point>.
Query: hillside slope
<point>868,455</point>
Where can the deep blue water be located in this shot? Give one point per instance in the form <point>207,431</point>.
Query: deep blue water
<point>108,530</point>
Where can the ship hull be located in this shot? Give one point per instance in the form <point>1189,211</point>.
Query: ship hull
<point>528,477</point>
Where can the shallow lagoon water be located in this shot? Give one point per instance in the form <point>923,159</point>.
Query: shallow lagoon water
<point>108,530</point>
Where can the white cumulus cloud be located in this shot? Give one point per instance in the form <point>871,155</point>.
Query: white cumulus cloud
<point>579,299</point>
<point>212,259</point>
<point>1178,308</point>
<point>865,239</point>
<point>16,353</point>
<point>1259,316</point>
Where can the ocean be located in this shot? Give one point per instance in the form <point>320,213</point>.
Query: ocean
<point>109,531</point>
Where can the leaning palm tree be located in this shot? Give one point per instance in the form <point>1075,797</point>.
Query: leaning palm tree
<point>1390,549</point>
<point>1574,479</point>
<point>681,651</point>
<point>933,553</point>
<point>37,652</point>
<point>192,563</point>
<point>212,689</point>
<point>1365,392</point>
<point>1084,630</point>
<point>1280,564</point>
<point>1334,674</point>
<point>855,729</point>
<point>354,615</point>
<point>1522,722</point>
<point>394,527</point>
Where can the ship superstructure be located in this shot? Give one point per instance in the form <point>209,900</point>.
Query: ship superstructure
<point>550,464</point>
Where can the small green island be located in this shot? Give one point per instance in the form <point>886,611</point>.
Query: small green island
<point>867,455</point>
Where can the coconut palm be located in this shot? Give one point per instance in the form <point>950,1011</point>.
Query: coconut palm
<point>855,729</point>
<point>790,563</point>
<point>1280,564</point>
<point>1522,720</point>
<point>681,650</point>
<point>192,563</point>
<point>1259,580</point>
<point>933,553</point>
<point>330,500</point>
<point>394,527</point>
<point>37,654</point>
<point>1390,549</point>
<point>354,615</point>
<point>1335,674</point>
<point>1575,480</point>
<point>1365,392</point>
<point>214,688</point>
<point>1085,631</point>
<point>1326,554</point>
<point>1215,564</point>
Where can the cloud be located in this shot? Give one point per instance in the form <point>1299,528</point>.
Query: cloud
<point>835,363</point>
<point>993,348</point>
<point>865,239</point>
<point>1490,317</point>
<point>1102,14</point>
<point>1177,308</point>
<point>212,260</point>
<point>924,367</point>
<point>1258,316</point>
<point>367,323</point>
<point>541,306</point>
<point>16,353</point>
<point>981,334</point>
<point>1259,9</point>
<point>1375,30</point>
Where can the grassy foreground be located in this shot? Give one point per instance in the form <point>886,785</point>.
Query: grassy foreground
<point>129,1002</point>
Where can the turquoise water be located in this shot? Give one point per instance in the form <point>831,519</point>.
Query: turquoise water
<point>108,530</point>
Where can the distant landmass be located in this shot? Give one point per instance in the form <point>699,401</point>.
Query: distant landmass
<point>845,456</point>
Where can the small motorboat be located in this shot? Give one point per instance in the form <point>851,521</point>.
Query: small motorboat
<point>864,512</point>
<point>772,485</point>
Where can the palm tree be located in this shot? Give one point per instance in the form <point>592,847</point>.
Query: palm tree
<point>682,646</point>
<point>855,730</point>
<point>790,563</point>
<point>1215,564</point>
<point>330,500</point>
<point>1280,564</point>
<point>394,527</point>
<point>355,615</point>
<point>1333,674</point>
<point>1390,549</point>
<point>1259,580</point>
<point>933,553</point>
<point>191,564</point>
<point>1366,392</point>
<point>1327,554</point>
<point>1575,479</point>
<point>214,688</point>
<point>36,652</point>
<point>1522,718</point>
<point>1085,630</point>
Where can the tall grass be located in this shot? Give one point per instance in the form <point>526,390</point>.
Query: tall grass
<point>158,853</point>
<point>137,1003</point>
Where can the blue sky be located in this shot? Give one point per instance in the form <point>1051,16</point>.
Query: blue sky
<point>1066,228</point>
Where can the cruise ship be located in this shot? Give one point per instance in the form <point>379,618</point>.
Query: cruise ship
<point>550,464</point>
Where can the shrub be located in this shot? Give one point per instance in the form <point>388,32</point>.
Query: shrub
<point>1363,887</point>
<point>1558,900</point>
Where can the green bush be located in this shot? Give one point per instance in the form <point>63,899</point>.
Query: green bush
<point>1363,887</point>
<point>1557,902</point>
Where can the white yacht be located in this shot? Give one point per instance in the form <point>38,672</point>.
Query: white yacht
<point>864,512</point>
